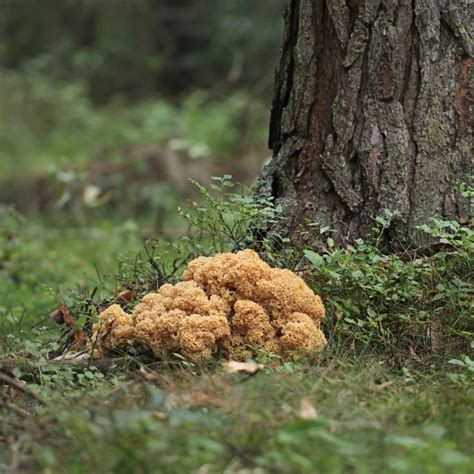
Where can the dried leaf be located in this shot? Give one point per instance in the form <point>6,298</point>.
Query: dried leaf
<point>384,385</point>
<point>63,316</point>
<point>250,367</point>
<point>306,410</point>
<point>57,316</point>
<point>124,296</point>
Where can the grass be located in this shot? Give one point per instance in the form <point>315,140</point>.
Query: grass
<point>374,402</point>
<point>369,418</point>
<point>48,257</point>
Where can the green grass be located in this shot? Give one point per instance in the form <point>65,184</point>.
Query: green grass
<point>384,399</point>
<point>369,418</point>
<point>47,258</point>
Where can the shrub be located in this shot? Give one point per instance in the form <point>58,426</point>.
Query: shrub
<point>410,303</point>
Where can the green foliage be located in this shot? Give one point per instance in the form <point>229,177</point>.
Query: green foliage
<point>466,375</point>
<point>366,418</point>
<point>450,233</point>
<point>42,259</point>
<point>398,302</point>
<point>223,220</point>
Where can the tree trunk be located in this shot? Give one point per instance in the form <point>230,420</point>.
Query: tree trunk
<point>372,113</point>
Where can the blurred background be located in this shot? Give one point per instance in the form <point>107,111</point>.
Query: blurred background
<point>107,107</point>
<point>102,98</point>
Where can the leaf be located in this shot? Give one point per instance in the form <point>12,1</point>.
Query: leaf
<point>57,316</point>
<point>384,385</point>
<point>371,312</point>
<point>250,367</point>
<point>124,296</point>
<point>316,260</point>
<point>63,316</point>
<point>306,410</point>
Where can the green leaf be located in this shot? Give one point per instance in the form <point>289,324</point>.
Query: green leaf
<point>316,260</point>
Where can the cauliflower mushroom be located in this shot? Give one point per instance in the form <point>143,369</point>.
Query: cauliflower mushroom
<point>231,305</point>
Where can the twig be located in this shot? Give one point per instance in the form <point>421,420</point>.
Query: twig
<point>22,388</point>
<point>12,407</point>
<point>247,377</point>
<point>248,461</point>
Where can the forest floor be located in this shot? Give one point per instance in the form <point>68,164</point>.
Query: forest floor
<point>351,411</point>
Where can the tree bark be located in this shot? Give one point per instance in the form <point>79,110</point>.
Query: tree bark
<point>372,113</point>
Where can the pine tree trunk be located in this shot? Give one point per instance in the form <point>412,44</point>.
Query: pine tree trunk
<point>372,112</point>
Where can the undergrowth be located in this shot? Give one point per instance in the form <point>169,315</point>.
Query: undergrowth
<point>391,393</point>
<point>413,304</point>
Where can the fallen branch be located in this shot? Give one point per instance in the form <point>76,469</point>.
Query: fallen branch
<point>13,408</point>
<point>17,385</point>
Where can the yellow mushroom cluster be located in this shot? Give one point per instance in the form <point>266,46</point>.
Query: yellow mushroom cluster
<point>229,305</point>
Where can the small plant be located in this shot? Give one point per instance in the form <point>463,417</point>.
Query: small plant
<point>224,219</point>
<point>466,364</point>
<point>450,233</point>
<point>398,303</point>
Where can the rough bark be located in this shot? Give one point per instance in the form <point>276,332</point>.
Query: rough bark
<point>372,111</point>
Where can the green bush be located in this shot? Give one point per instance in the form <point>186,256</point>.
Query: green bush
<point>411,302</point>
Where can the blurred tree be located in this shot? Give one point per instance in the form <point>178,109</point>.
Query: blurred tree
<point>135,48</point>
<point>372,115</point>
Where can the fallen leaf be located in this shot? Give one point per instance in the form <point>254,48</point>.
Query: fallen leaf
<point>306,410</point>
<point>63,316</point>
<point>250,367</point>
<point>384,385</point>
<point>124,296</point>
<point>57,316</point>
